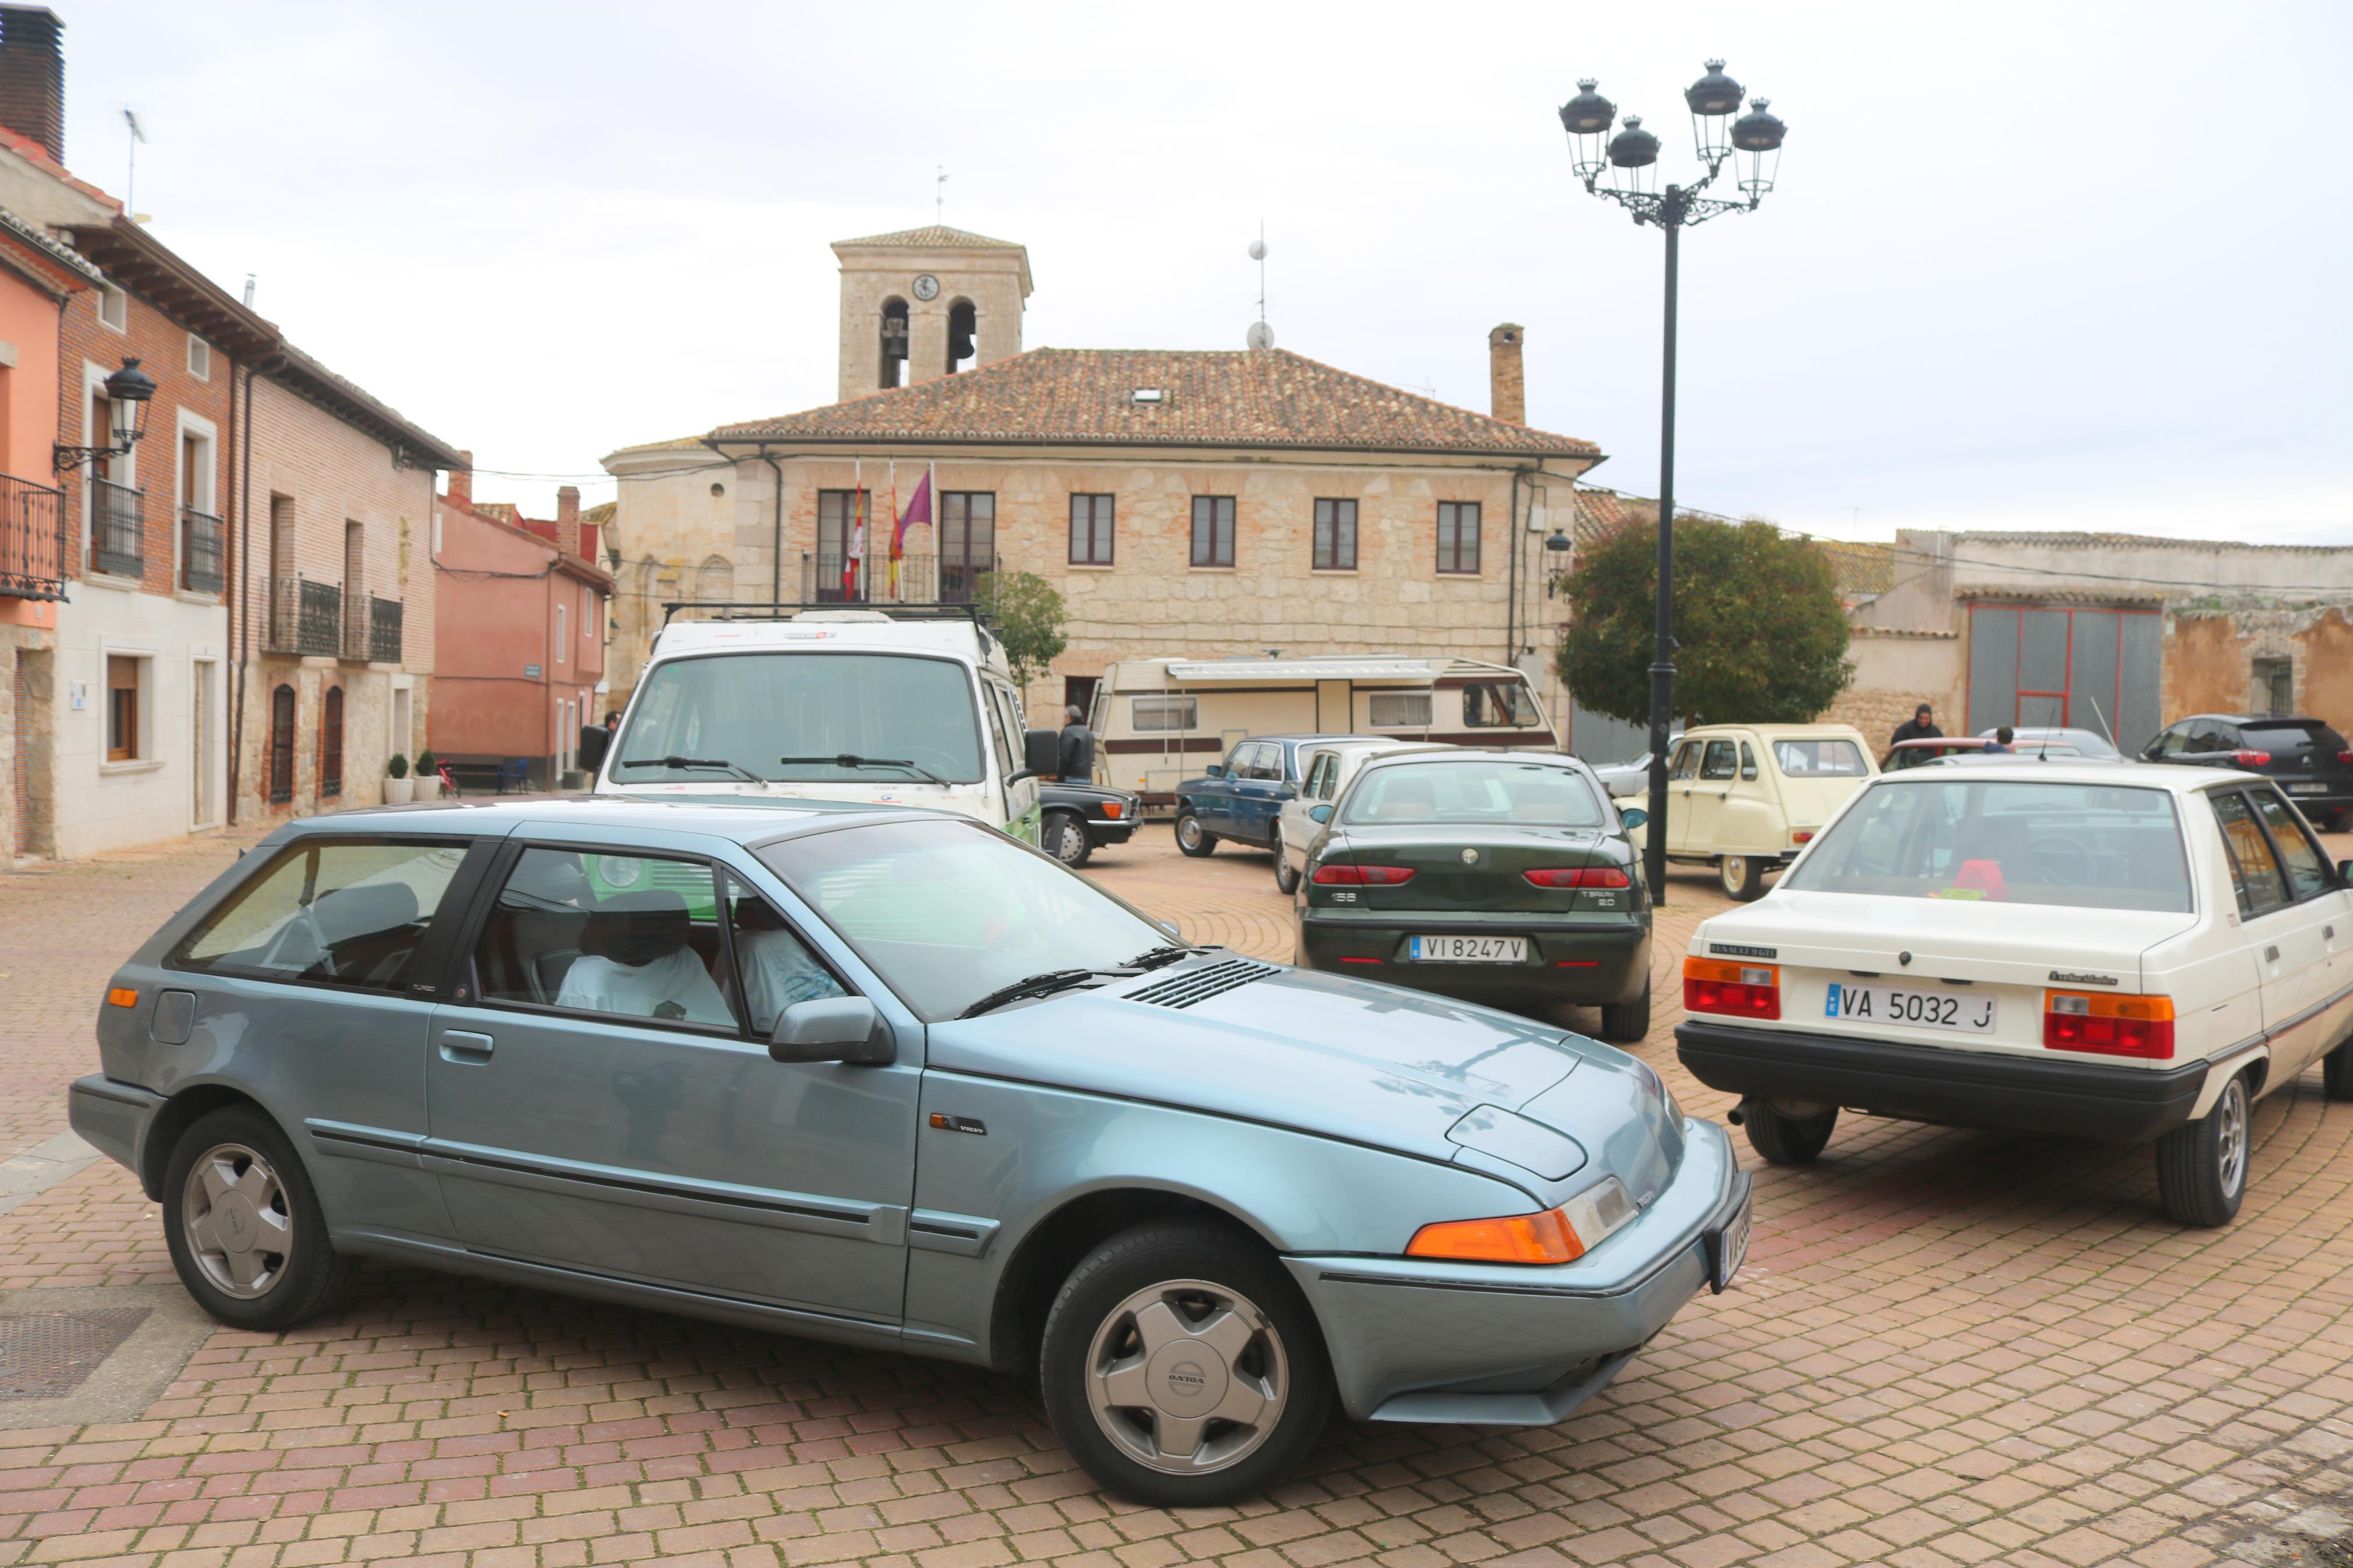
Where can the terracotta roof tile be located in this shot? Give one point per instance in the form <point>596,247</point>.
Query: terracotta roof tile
<point>1208,399</point>
<point>932,237</point>
<point>1860,568</point>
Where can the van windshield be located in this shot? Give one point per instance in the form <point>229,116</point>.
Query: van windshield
<point>751,709</point>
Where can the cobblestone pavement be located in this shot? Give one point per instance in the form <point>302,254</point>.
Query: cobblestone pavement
<point>1948,1348</point>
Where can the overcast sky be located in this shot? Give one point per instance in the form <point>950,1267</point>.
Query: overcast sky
<point>2030,266</point>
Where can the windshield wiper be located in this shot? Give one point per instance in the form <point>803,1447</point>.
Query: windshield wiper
<point>746,775</point>
<point>848,760</point>
<point>1159,957</point>
<point>1044,984</point>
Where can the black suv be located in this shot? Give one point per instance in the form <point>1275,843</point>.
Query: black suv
<point>2311,761</point>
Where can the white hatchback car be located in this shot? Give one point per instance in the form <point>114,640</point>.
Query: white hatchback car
<point>2133,952</point>
<point>1325,767</point>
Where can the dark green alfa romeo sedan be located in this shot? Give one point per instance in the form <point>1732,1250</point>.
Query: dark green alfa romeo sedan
<point>1493,877</point>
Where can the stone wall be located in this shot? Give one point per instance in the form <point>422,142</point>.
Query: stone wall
<point>1894,674</point>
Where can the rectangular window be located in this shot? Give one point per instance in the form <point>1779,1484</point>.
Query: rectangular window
<point>1213,530</point>
<point>778,968</point>
<point>114,307</point>
<point>1497,704</point>
<point>2308,874</point>
<point>343,913</point>
<point>2274,686</point>
<point>1400,709</point>
<point>1091,530</point>
<point>559,634</point>
<point>1162,715</point>
<point>636,935</point>
<point>967,543</point>
<point>200,358</point>
<point>1458,536</point>
<point>1720,762</point>
<point>841,519</point>
<point>1336,536</point>
<point>121,709</point>
<point>2256,875</point>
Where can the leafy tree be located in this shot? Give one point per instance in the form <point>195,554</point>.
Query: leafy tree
<point>1028,616</point>
<point>1761,635</point>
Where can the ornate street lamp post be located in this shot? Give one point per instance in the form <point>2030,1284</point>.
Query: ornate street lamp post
<point>1630,160</point>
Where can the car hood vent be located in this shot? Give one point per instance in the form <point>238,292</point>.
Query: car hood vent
<point>1182,990</point>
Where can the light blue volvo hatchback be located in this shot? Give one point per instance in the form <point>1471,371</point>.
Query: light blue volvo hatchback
<point>892,1078</point>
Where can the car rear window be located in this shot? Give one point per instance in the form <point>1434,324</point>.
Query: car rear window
<point>2083,845</point>
<point>339,913</point>
<point>2307,735</point>
<point>1470,791</point>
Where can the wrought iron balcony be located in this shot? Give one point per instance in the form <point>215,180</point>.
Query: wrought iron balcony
<point>825,580</point>
<point>118,529</point>
<point>35,546</point>
<point>383,629</point>
<point>202,551</point>
<point>305,617</point>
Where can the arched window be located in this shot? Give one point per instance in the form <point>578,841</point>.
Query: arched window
<point>894,342</point>
<point>331,745</point>
<point>282,745</point>
<point>964,328</point>
<point>716,582</point>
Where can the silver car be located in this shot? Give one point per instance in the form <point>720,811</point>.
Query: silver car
<point>892,1078</point>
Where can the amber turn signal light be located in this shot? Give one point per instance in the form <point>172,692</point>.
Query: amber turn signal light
<point>123,996</point>
<point>1545,1237</point>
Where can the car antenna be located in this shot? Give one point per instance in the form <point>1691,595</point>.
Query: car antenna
<point>2103,718</point>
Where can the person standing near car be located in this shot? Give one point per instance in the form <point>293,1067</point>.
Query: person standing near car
<point>1921,726</point>
<point>2001,741</point>
<point>1078,763</point>
<point>595,739</point>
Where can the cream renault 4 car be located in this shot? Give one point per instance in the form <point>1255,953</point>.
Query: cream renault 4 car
<point>1745,798</point>
<point>2096,950</point>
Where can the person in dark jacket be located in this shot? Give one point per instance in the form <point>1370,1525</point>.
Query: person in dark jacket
<point>594,741</point>
<point>1078,747</point>
<point>1921,726</point>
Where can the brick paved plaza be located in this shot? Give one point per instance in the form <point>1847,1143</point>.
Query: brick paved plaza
<point>1948,1348</point>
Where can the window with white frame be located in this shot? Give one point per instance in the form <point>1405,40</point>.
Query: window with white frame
<point>1400,709</point>
<point>1162,715</point>
<point>559,634</point>
<point>200,358</point>
<point>113,308</point>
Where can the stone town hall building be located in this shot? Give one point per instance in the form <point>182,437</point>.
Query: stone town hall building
<point>1182,503</point>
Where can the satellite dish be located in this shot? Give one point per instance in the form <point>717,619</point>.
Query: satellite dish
<point>1262,336</point>
<point>1257,250</point>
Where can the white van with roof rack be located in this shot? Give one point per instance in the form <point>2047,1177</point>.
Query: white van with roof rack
<point>904,706</point>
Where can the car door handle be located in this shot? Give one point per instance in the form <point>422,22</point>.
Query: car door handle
<point>2271,953</point>
<point>462,1046</point>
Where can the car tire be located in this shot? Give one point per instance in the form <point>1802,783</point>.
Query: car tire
<point>1066,839</point>
<point>1743,877</point>
<point>1192,837</point>
<point>1785,1139</point>
<point>1234,1334</point>
<point>232,1188</point>
<point>2336,1072</point>
<point>1286,880</point>
<point>1625,1023</point>
<point>2202,1169</point>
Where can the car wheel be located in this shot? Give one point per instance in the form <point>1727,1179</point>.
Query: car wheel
<point>1623,1023</point>
<point>1786,1139</point>
<point>244,1227</point>
<point>2202,1169</point>
<point>1066,839</point>
<point>2336,1072</point>
<point>1743,877</point>
<point>1181,1367</point>
<point>1286,880</point>
<point>1192,837</point>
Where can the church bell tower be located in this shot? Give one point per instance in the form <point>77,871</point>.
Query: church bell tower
<point>927,302</point>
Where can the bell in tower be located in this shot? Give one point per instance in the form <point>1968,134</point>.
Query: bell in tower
<point>927,302</point>
<point>894,343</point>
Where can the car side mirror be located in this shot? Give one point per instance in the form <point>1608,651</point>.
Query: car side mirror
<point>1215,771</point>
<point>1042,752</point>
<point>2345,872</point>
<point>1633,816</point>
<point>832,1029</point>
<point>1319,813</point>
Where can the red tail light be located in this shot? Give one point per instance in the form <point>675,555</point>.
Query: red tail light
<point>1578,877</point>
<point>2346,757</point>
<point>1803,836</point>
<point>1741,989</point>
<point>2108,1026</point>
<point>2252,759</point>
<point>1344,874</point>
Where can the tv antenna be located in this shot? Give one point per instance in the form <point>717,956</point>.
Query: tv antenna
<point>131,177</point>
<point>940,194</point>
<point>1261,335</point>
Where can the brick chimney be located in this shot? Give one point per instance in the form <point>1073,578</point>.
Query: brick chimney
<point>567,520</point>
<point>1507,381</point>
<point>461,481</point>
<point>33,76</point>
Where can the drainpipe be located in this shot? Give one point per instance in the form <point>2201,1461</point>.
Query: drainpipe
<point>776,567</point>
<point>241,436</point>
<point>1512,609</point>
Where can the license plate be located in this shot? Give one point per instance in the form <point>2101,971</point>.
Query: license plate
<point>1468,949</point>
<point>1730,1251</point>
<point>2307,789</point>
<point>1893,1004</point>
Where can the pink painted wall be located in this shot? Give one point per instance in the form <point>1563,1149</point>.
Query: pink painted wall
<point>28,411</point>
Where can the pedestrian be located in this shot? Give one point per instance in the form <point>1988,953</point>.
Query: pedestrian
<point>594,741</point>
<point>2001,738</point>
<point>1078,747</point>
<point>1921,726</point>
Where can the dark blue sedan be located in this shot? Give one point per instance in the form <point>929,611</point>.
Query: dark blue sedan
<point>1240,797</point>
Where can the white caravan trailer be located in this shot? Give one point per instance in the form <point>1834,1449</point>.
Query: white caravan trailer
<point>1158,722</point>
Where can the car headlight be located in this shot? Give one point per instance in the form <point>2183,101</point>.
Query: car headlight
<point>621,870</point>
<point>1559,1234</point>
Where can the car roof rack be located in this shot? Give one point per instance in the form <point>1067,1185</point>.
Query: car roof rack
<point>750,610</point>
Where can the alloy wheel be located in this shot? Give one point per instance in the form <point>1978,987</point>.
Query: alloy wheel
<point>1069,843</point>
<point>240,1229</point>
<point>2231,1137</point>
<point>1187,1377</point>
